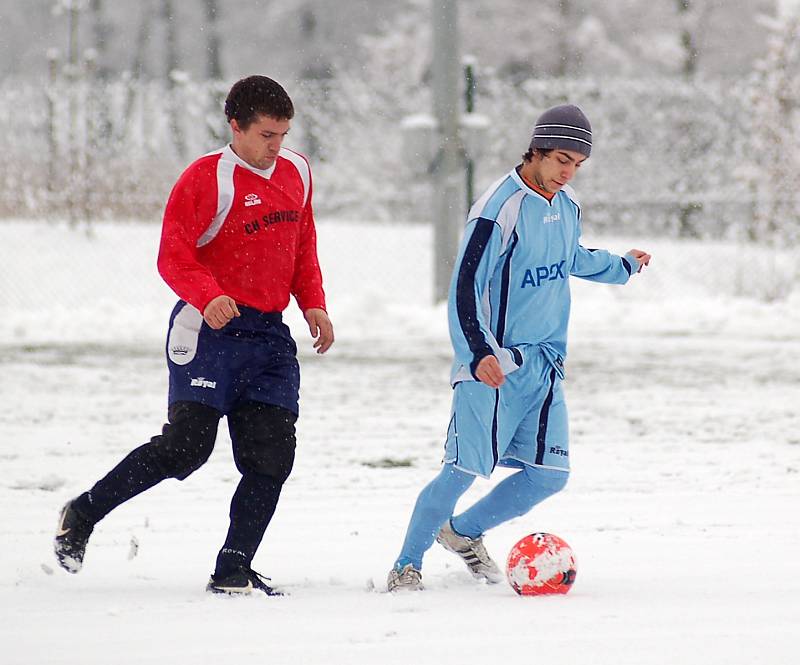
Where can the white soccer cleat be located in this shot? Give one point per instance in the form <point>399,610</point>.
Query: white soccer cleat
<point>472,552</point>
<point>406,578</point>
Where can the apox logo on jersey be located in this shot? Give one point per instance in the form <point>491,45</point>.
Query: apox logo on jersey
<point>539,274</point>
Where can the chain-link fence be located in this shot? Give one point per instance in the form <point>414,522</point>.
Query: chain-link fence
<point>690,165</point>
<point>698,159</point>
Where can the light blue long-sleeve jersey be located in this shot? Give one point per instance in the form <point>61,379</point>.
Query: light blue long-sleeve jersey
<point>510,285</point>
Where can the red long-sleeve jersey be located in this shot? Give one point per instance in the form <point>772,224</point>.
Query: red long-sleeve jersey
<point>231,229</point>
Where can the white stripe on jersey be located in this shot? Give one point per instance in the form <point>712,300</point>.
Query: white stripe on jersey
<point>567,189</point>
<point>302,167</point>
<point>509,211</point>
<point>226,165</point>
<point>477,208</point>
<point>225,168</point>
<point>508,217</point>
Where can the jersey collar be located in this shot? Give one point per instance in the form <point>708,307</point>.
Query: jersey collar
<point>530,190</point>
<point>232,156</point>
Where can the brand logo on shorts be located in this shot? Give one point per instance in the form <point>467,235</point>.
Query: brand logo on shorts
<point>180,350</point>
<point>251,200</point>
<point>558,450</point>
<point>202,382</point>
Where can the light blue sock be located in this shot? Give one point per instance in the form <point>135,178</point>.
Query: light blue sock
<point>512,497</point>
<point>434,507</point>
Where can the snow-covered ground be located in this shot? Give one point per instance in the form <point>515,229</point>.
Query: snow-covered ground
<point>682,508</point>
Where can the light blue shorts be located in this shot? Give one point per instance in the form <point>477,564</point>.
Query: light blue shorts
<point>522,422</point>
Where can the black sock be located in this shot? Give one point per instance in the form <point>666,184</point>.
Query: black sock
<point>252,507</point>
<point>133,475</point>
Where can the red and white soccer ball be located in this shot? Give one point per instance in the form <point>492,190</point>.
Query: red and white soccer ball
<point>540,564</point>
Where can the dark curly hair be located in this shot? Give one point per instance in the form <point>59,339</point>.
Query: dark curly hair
<point>254,96</point>
<point>528,156</point>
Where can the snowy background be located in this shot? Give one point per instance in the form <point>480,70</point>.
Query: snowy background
<point>682,506</point>
<point>683,386</point>
<point>694,104</point>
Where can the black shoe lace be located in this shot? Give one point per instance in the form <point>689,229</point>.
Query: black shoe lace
<point>260,582</point>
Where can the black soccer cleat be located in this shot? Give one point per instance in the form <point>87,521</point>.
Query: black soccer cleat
<point>72,535</point>
<point>242,581</point>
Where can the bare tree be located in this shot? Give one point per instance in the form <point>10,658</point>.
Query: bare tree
<point>316,76</point>
<point>214,68</point>
<point>101,32</point>
<point>217,129</point>
<point>693,18</point>
<point>139,64</point>
<point>774,155</point>
<point>173,75</point>
<point>688,38</point>
<point>98,121</point>
<point>171,60</point>
<point>564,66</point>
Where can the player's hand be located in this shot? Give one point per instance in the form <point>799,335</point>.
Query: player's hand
<point>320,327</point>
<point>488,371</point>
<point>220,311</point>
<point>642,257</point>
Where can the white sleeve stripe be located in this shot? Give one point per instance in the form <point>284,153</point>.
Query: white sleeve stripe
<point>567,189</point>
<point>225,170</point>
<point>508,216</point>
<point>478,207</point>
<point>302,167</point>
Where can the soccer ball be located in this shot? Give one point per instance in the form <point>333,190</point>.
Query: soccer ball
<point>539,564</point>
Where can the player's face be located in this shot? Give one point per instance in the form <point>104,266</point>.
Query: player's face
<point>260,143</point>
<point>551,172</point>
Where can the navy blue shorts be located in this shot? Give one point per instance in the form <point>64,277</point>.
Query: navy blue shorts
<point>252,358</point>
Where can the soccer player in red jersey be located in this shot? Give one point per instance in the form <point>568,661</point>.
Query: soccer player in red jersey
<point>238,239</point>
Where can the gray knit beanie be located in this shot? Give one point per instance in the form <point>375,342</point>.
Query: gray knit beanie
<point>564,127</point>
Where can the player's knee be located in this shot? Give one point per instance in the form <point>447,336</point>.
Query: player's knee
<point>449,485</point>
<point>547,481</point>
<point>264,440</point>
<point>186,442</point>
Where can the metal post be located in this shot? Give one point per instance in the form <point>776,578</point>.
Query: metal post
<point>469,107</point>
<point>90,142</point>
<point>448,174</point>
<point>74,179</point>
<point>52,140</point>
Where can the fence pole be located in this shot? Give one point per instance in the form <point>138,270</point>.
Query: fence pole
<point>448,175</point>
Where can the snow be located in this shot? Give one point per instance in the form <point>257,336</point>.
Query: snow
<point>681,508</point>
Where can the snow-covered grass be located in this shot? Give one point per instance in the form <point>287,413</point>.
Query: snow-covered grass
<point>682,506</point>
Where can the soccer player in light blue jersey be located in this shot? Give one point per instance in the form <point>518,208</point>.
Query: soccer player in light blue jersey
<point>508,312</point>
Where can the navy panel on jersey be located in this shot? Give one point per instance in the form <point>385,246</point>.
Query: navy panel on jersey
<point>252,358</point>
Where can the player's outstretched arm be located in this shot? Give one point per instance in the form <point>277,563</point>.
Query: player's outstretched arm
<point>642,257</point>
